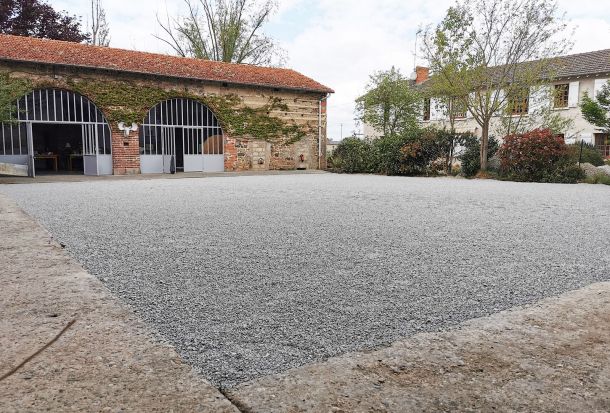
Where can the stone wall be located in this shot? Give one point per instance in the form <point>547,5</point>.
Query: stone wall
<point>241,152</point>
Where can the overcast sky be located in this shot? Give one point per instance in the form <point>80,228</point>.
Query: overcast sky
<point>337,42</point>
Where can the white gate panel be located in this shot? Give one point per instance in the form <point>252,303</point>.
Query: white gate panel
<point>90,150</point>
<point>151,164</point>
<point>90,165</point>
<point>16,159</point>
<point>213,163</point>
<point>193,163</point>
<point>104,164</point>
<point>169,149</point>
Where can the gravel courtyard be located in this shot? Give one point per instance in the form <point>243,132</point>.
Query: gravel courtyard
<point>252,275</point>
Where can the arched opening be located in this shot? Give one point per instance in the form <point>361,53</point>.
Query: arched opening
<point>57,131</point>
<point>181,135</point>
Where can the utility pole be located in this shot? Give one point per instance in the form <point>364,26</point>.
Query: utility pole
<point>341,132</point>
<point>414,74</point>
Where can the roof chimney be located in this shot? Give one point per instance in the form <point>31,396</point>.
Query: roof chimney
<point>423,73</point>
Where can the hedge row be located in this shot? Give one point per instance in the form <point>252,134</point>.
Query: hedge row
<point>536,156</point>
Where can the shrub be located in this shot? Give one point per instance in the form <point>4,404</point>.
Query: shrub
<point>589,154</point>
<point>600,178</point>
<point>471,157</point>
<point>353,155</point>
<point>416,152</point>
<point>566,173</point>
<point>419,153</point>
<point>388,154</point>
<point>538,156</point>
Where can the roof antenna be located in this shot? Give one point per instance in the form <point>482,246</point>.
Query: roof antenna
<point>414,74</point>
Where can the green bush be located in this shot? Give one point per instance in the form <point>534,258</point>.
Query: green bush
<point>600,178</point>
<point>566,173</point>
<point>413,153</point>
<point>388,154</point>
<point>420,151</point>
<point>589,154</point>
<point>353,155</point>
<point>471,158</point>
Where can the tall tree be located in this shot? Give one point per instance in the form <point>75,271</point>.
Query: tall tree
<point>224,30</point>
<point>596,110</point>
<point>390,105</point>
<point>100,30</point>
<point>477,55</point>
<point>36,18</point>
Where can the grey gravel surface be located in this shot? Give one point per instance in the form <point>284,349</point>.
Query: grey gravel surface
<point>249,276</point>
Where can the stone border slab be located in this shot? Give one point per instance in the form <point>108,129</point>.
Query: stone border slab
<point>550,357</point>
<point>106,361</point>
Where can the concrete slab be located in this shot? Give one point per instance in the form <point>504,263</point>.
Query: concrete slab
<point>549,357</point>
<point>106,361</point>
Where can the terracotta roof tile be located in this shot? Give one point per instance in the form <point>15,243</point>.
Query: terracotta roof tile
<point>28,49</point>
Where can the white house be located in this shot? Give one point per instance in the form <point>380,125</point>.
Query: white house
<point>575,75</point>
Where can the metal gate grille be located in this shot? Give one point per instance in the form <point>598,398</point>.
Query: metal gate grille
<point>202,136</point>
<point>56,106</point>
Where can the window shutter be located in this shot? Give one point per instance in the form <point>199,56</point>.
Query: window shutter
<point>598,86</point>
<point>573,94</point>
<point>436,110</point>
<point>502,109</point>
<point>539,98</point>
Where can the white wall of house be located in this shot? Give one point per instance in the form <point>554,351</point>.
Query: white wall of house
<point>580,129</point>
<point>370,132</point>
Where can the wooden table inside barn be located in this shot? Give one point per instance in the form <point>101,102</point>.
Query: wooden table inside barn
<point>53,157</point>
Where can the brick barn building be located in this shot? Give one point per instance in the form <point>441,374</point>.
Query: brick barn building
<point>100,111</point>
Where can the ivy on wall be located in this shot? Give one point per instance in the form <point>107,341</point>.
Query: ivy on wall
<point>10,91</point>
<point>122,101</point>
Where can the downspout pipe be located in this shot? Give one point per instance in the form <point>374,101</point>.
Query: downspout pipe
<point>320,130</point>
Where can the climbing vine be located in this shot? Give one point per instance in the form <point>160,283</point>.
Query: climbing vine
<point>11,89</point>
<point>129,102</point>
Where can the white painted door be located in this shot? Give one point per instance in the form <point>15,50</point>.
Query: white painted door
<point>193,161</point>
<point>90,150</point>
<point>168,136</point>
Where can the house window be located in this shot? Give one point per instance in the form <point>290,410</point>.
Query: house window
<point>562,92</point>
<point>519,104</point>
<point>459,109</point>
<point>427,105</point>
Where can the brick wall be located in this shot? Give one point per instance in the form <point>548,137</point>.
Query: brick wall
<point>125,152</point>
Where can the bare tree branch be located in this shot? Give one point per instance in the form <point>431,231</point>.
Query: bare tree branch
<point>224,30</point>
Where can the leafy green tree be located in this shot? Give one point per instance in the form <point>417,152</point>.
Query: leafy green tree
<point>224,30</point>
<point>477,54</point>
<point>390,105</point>
<point>596,111</point>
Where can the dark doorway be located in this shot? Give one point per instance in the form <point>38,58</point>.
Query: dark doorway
<point>58,148</point>
<point>179,150</point>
